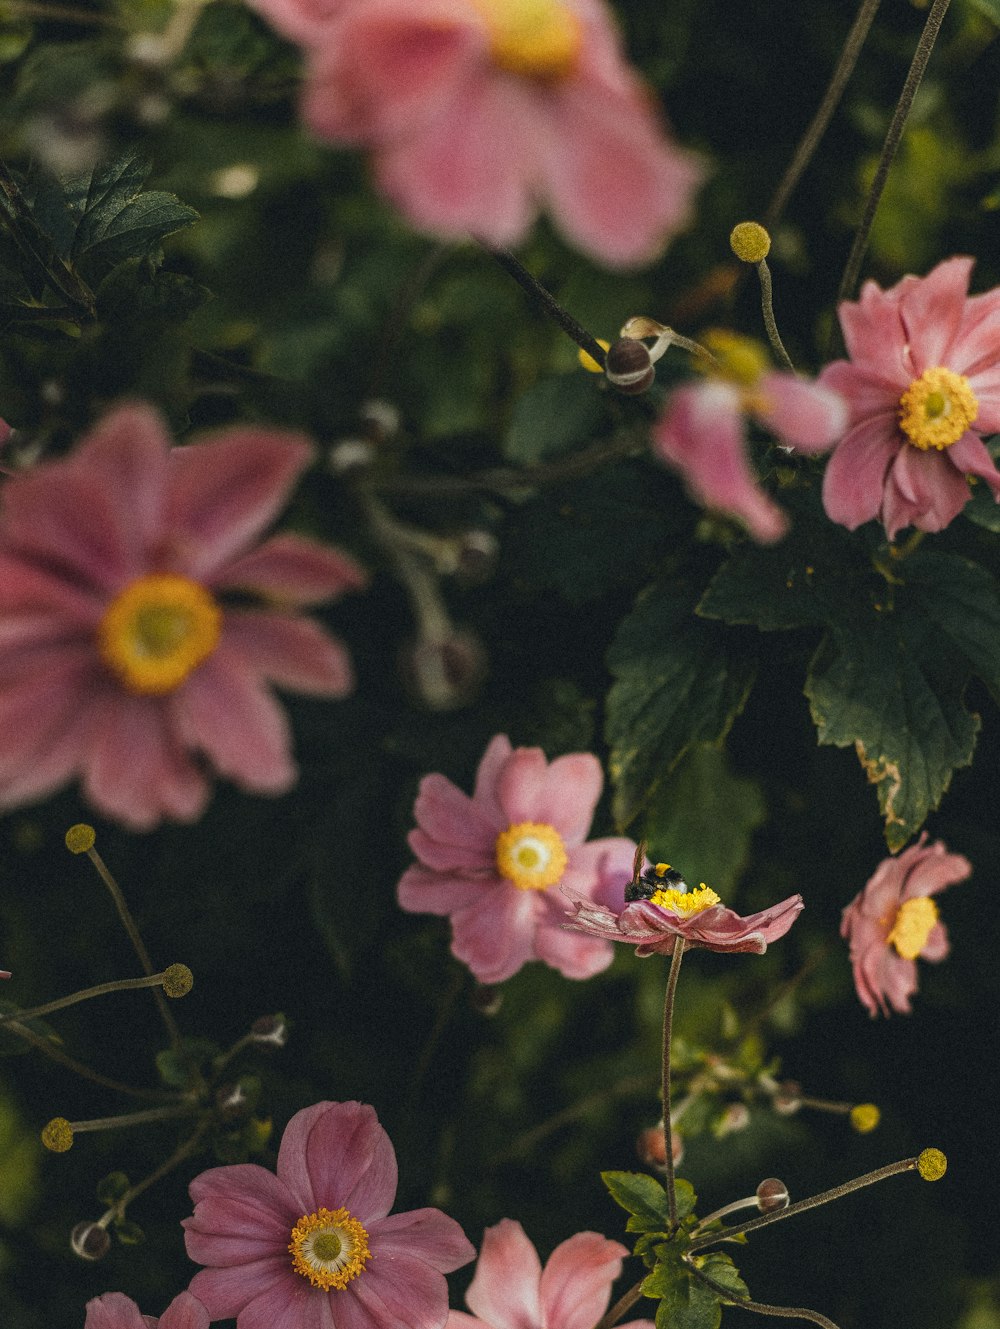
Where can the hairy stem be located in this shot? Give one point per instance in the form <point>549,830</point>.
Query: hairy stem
<point>668,1133</point>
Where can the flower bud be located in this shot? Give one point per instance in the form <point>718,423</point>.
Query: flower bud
<point>650,1147</point>
<point>932,1164</point>
<point>629,366</point>
<point>178,980</point>
<point>735,1118</point>
<point>270,1031</point>
<point>750,242</point>
<point>90,1241</point>
<point>350,454</point>
<point>446,673</point>
<point>380,418</point>
<point>772,1195</point>
<point>788,1098</point>
<point>231,1101</point>
<point>476,556</point>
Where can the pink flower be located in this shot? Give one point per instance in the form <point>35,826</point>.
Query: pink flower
<point>5,431</point>
<point>893,922</point>
<point>312,1248</point>
<point>922,386</point>
<point>478,112</point>
<point>671,910</point>
<point>116,1311</point>
<point>511,1290</point>
<point>492,862</point>
<point>306,21</point>
<point>702,432</point>
<point>120,661</point>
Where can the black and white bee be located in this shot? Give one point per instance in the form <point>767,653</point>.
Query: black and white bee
<point>660,877</point>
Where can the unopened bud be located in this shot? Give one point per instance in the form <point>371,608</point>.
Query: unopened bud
<point>446,673</point>
<point>735,1118</point>
<point>350,454</point>
<point>90,1241</point>
<point>476,556</point>
<point>270,1031</point>
<point>380,418</point>
<point>487,999</point>
<point>231,1102</point>
<point>629,366</point>
<point>651,1147</point>
<point>788,1098</point>
<point>772,1195</point>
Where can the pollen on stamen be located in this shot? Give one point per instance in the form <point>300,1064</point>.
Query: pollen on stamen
<point>329,1248</point>
<point>937,408</point>
<point>686,902</point>
<point>57,1135</point>
<point>80,838</point>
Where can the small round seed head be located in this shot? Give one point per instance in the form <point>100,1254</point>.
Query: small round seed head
<point>178,980</point>
<point>57,1136</point>
<point>80,838</point>
<point>270,1031</point>
<point>932,1164</point>
<point>750,242</point>
<point>865,1117</point>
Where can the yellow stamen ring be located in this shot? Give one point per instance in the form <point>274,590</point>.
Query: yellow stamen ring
<point>531,855</point>
<point>533,38</point>
<point>937,408</point>
<point>329,1248</point>
<point>913,925</point>
<point>686,902</point>
<point>157,630</point>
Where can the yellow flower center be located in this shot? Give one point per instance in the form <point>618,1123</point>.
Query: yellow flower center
<point>937,408</point>
<point>157,630</point>
<point>531,855</point>
<point>685,902</point>
<point>740,360</point>
<point>329,1248</point>
<point>913,926</point>
<point>535,38</point>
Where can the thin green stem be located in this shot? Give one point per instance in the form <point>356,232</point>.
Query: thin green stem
<point>78,1068</point>
<point>621,1307</point>
<point>767,309</point>
<point>761,1307</point>
<point>135,1118</point>
<point>549,303</point>
<point>892,139</point>
<point>524,1143</point>
<point>183,1151</point>
<point>668,1021</point>
<point>85,994</point>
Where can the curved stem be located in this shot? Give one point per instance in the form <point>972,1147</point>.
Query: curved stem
<point>85,1072</point>
<point>98,990</point>
<point>621,1307</point>
<point>183,1151</point>
<point>761,1307</point>
<point>916,72</point>
<point>767,309</point>
<point>668,1020</point>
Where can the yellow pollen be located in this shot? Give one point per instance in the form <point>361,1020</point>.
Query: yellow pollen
<point>937,408</point>
<point>686,902</point>
<point>932,1164</point>
<point>865,1117</point>
<point>157,630</point>
<point>531,855</point>
<point>740,360</point>
<point>534,38</point>
<point>913,926</point>
<point>329,1248</point>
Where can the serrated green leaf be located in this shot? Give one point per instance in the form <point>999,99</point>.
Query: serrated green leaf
<point>718,1266</point>
<point>688,1303</point>
<point>678,681</point>
<point>640,1195</point>
<point>553,416</point>
<point>118,220</point>
<point>962,601</point>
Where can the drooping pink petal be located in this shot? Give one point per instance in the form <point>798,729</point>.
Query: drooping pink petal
<point>810,416</point>
<point>929,869</point>
<point>290,651</point>
<point>337,1155</point>
<point>855,475</point>
<point>922,489</point>
<point>505,1290</point>
<point>970,456</point>
<point>291,570</point>
<point>426,891</point>
<point>225,491</point>
<point>424,1234</point>
<point>495,936</point>
<point>931,312</point>
<point>306,21</point>
<point>574,956</point>
<point>185,1312</point>
<point>576,1281</point>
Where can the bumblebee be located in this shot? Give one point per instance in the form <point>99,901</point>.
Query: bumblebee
<point>661,877</point>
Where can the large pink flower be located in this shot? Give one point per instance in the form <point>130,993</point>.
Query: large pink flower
<point>511,1290</point>
<point>923,386</point>
<point>120,660</point>
<point>116,1311</point>
<point>493,862</point>
<point>702,432</point>
<point>893,922</point>
<point>313,1248</point>
<point>478,112</point>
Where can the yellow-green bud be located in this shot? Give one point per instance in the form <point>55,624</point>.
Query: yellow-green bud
<point>865,1117</point>
<point>57,1136</point>
<point>178,980</point>
<point>80,838</point>
<point>932,1164</point>
<point>750,242</point>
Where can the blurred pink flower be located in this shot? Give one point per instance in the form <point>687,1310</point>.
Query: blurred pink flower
<point>313,1247</point>
<point>702,432</point>
<point>511,1290</point>
<point>492,862</point>
<point>653,924</point>
<point>120,662</point>
<point>5,431</point>
<point>116,1311</point>
<point>893,922</point>
<point>923,386</point>
<point>305,21</point>
<point>479,112</point>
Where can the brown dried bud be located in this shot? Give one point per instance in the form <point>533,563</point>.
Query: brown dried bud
<point>772,1194</point>
<point>629,367</point>
<point>486,1000</point>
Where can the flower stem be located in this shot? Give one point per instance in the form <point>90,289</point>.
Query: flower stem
<point>98,990</point>
<point>916,72</point>
<point>761,1307</point>
<point>183,1151</point>
<point>621,1307</point>
<point>78,1068</point>
<point>165,1113</point>
<point>548,302</point>
<point>767,309</point>
<point>668,1020</point>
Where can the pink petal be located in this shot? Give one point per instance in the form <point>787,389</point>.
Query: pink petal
<point>113,1310</point>
<point>225,1292</point>
<point>242,1213</point>
<point>576,1281</point>
<point>225,711</point>
<point>597,870</point>
<point>573,955</point>
<point>46,720</point>
<point>970,456</point>
<point>424,1234</point>
<point>306,21</point>
<point>226,490</point>
<point>454,832</point>
<point>563,794</point>
<point>931,312</point>
<point>505,1291</point>
<point>874,336</point>
<point>855,475</point>
<point>866,394</point>
<point>488,778</point>
<point>185,1312</point>
<point>291,570</point>
<point>28,590</point>
<point>291,652</point>
<point>922,489</point>
<point>459,1320</point>
<point>337,1155</point>
<point>422,891</point>
<point>936,947</point>
<point>401,1293</point>
<point>496,935</point>
<point>809,416</point>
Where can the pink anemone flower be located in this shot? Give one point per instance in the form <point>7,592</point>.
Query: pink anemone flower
<point>492,862</point>
<point>121,661</point>
<point>922,385</point>
<point>116,1311</point>
<point>313,1247</point>
<point>478,112</point>
<point>894,922</point>
<point>702,432</point>
<point>305,21</point>
<point>670,909</point>
<point>511,1290</point>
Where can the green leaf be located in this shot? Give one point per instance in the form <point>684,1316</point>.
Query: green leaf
<point>553,416</point>
<point>111,1188</point>
<point>640,1195</point>
<point>703,816</point>
<point>982,508</point>
<point>686,1303</point>
<point>991,8</point>
<point>116,219</point>
<point>678,681</point>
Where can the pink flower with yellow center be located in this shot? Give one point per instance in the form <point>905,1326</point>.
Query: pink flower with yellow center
<point>116,1311</point>
<point>122,660</point>
<point>511,1290</point>
<point>480,112</point>
<point>493,862</point>
<point>314,1247</point>
<point>702,431</point>
<point>922,386</point>
<point>894,922</point>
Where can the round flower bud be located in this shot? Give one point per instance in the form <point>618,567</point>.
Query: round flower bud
<point>865,1117</point>
<point>476,556</point>
<point>750,242</point>
<point>445,673</point>
<point>735,1118</point>
<point>629,366</point>
<point>772,1195</point>
<point>350,454</point>
<point>650,1147</point>
<point>270,1031</point>
<point>80,838</point>
<point>231,1101</point>
<point>90,1241</point>
<point>788,1098</point>
<point>178,980</point>
<point>932,1164</point>
<point>486,999</point>
<point>57,1136</point>
<point>588,362</point>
